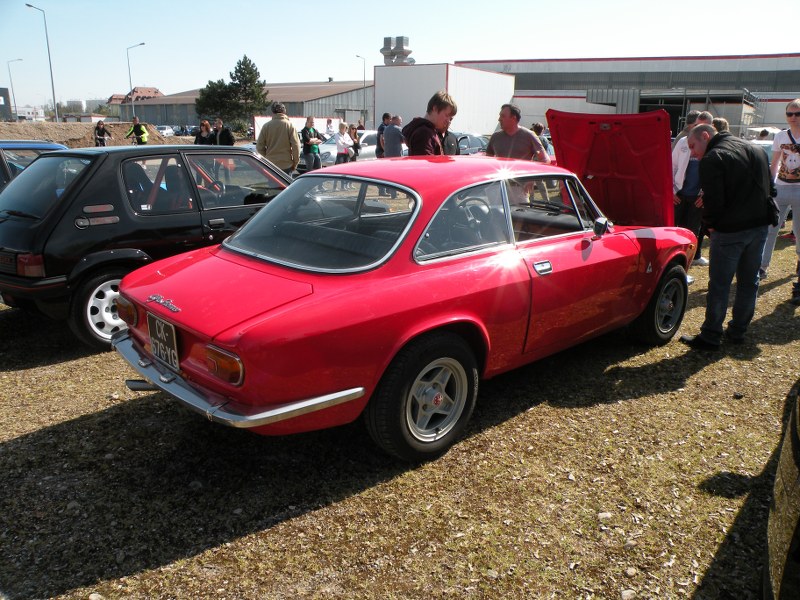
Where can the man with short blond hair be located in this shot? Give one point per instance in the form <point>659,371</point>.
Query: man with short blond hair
<point>423,134</point>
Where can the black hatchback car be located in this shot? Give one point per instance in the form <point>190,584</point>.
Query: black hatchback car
<point>76,221</point>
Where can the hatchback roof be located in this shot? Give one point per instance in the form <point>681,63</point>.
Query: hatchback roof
<point>32,144</point>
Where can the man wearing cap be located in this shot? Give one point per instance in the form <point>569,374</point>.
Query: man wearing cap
<point>278,141</point>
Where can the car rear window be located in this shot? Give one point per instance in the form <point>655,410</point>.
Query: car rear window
<point>37,189</point>
<point>329,224</point>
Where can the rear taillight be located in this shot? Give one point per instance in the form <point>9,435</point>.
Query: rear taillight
<point>30,265</point>
<point>224,365</point>
<point>126,310</point>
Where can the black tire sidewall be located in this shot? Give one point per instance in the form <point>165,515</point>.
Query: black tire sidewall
<point>386,412</point>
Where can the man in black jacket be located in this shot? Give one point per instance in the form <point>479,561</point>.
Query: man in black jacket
<point>221,136</point>
<point>734,177</point>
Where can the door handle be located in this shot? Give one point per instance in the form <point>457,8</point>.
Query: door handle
<point>216,223</point>
<point>543,267</point>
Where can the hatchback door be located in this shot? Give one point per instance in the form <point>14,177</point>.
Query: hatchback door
<point>231,188</point>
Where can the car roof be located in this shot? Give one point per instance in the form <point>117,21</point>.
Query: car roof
<point>454,172</point>
<point>143,150</point>
<point>31,144</point>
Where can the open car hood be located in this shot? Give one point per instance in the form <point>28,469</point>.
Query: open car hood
<point>624,161</point>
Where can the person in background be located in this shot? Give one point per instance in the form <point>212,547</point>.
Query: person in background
<point>720,124</point>
<point>221,136</point>
<point>691,120</point>
<point>422,134</point>
<point>344,144</point>
<point>785,172</point>
<point>450,143</point>
<point>100,134</point>
<point>311,141</point>
<point>278,141</point>
<point>352,131</point>
<point>393,138</point>
<point>735,180</point>
<point>538,129</point>
<point>385,122</point>
<point>361,125</point>
<point>513,141</point>
<point>203,137</point>
<point>139,131</point>
<point>687,195</point>
<point>329,131</point>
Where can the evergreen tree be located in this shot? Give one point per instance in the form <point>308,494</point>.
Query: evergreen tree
<point>242,98</point>
<point>214,100</point>
<point>247,90</point>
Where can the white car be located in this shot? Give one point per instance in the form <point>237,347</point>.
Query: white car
<point>368,139</point>
<point>165,130</point>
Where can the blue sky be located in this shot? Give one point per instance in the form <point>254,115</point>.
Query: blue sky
<point>189,42</point>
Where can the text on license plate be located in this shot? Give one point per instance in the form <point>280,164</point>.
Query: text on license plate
<point>163,342</point>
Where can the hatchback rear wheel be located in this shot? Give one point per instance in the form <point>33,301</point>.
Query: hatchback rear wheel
<point>93,314</point>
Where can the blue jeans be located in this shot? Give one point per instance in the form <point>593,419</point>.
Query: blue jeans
<point>788,197</point>
<point>312,161</point>
<point>737,253</point>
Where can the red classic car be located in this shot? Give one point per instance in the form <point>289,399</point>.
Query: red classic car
<point>388,289</point>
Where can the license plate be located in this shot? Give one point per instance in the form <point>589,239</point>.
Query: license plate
<point>163,342</point>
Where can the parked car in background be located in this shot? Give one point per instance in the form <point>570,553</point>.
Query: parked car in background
<point>469,143</point>
<point>76,221</point>
<point>15,155</point>
<point>389,288</point>
<point>183,130</point>
<point>782,569</point>
<point>368,139</point>
<point>165,130</point>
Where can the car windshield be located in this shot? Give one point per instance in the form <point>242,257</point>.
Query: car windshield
<point>329,224</point>
<point>39,187</point>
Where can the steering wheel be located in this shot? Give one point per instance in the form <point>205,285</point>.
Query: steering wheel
<point>467,205</point>
<point>218,187</point>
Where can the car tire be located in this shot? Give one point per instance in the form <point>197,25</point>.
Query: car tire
<point>660,321</point>
<point>425,399</point>
<point>93,317</point>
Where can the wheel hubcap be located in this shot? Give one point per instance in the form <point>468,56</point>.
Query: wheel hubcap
<point>670,306</point>
<point>437,399</point>
<point>101,312</point>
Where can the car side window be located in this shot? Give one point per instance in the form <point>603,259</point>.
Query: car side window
<point>158,185</point>
<point>542,207</point>
<point>225,181</point>
<point>468,220</point>
<point>582,202</point>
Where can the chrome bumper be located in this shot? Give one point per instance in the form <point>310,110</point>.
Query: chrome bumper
<point>215,407</point>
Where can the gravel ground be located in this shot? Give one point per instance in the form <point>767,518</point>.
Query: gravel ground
<point>607,471</point>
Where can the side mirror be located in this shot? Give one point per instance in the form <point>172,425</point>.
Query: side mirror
<point>601,226</point>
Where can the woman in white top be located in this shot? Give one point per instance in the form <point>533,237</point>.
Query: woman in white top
<point>344,144</point>
<point>785,171</point>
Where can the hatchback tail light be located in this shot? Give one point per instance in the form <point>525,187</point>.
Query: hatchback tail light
<point>30,265</point>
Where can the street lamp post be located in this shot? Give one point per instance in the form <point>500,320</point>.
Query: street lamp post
<point>49,60</point>
<point>11,81</point>
<point>130,81</point>
<point>364,86</point>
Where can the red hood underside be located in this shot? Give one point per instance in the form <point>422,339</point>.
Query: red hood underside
<point>624,161</point>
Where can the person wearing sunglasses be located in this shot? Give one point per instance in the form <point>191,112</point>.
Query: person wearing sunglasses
<point>785,171</point>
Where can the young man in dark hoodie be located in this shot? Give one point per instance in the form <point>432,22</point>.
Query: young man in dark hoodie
<point>423,134</point>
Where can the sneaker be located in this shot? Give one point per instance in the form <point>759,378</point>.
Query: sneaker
<point>789,236</point>
<point>695,342</point>
<point>689,280</point>
<point>700,262</point>
<point>762,273</point>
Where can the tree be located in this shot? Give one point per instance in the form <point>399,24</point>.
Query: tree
<point>247,90</point>
<point>242,98</point>
<point>214,100</point>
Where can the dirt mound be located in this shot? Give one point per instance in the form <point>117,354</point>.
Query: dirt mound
<point>77,135</point>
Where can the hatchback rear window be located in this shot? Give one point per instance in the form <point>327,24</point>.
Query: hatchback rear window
<point>38,188</point>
